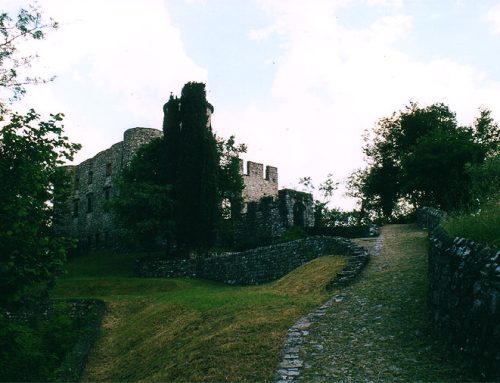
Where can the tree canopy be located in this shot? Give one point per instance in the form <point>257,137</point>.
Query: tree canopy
<point>185,188</point>
<point>28,24</point>
<point>144,208</point>
<point>31,154</point>
<point>420,156</point>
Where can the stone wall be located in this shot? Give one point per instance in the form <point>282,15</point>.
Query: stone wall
<point>85,214</point>
<point>258,185</point>
<point>260,265</point>
<point>464,294</point>
<point>361,231</point>
<point>269,218</point>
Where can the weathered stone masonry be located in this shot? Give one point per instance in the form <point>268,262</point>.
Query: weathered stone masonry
<point>258,185</point>
<point>85,215</point>
<point>263,264</point>
<point>270,217</point>
<point>464,294</point>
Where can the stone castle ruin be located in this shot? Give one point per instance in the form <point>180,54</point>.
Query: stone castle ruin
<point>85,214</point>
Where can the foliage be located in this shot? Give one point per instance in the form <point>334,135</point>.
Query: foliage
<point>482,226</point>
<point>161,192</point>
<point>144,208</point>
<point>369,205</point>
<point>291,234</point>
<point>485,180</point>
<point>29,24</point>
<point>434,172</point>
<point>181,329</point>
<point>230,189</point>
<point>420,156</point>
<point>324,215</point>
<point>88,320</point>
<point>230,183</point>
<point>31,154</point>
<point>203,171</point>
<point>192,148</point>
<point>34,345</point>
<point>325,190</point>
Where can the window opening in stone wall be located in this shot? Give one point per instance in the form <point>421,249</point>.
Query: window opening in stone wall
<point>91,176</point>
<point>299,211</point>
<point>89,203</point>
<point>109,170</point>
<point>75,208</point>
<point>77,183</point>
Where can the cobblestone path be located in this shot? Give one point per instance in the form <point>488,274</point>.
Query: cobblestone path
<point>378,328</point>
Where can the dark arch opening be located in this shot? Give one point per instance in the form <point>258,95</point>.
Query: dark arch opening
<point>299,212</point>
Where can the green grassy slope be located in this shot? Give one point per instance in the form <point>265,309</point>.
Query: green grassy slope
<point>191,330</point>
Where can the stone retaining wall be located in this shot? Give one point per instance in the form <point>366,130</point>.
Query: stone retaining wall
<point>360,231</point>
<point>464,294</point>
<point>260,265</point>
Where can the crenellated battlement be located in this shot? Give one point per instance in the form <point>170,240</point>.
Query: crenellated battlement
<point>257,183</point>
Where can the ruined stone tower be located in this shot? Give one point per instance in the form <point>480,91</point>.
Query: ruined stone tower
<point>85,214</point>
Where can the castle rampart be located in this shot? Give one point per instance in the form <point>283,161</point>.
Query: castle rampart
<point>256,185</point>
<point>86,214</point>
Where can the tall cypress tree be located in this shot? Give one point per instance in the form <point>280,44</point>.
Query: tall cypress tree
<point>171,132</point>
<point>192,167</point>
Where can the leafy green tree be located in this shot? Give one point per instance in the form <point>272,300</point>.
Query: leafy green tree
<point>420,156</point>
<point>434,172</point>
<point>185,189</point>
<point>230,182</point>
<point>323,215</point>
<point>31,154</point>
<point>485,179</point>
<point>144,208</point>
<point>171,135</point>
<point>28,24</point>
<point>357,187</point>
<point>486,133</point>
<point>230,187</point>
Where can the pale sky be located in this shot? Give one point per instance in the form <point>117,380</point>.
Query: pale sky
<point>297,81</point>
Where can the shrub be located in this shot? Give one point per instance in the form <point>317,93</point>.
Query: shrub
<point>38,341</point>
<point>482,226</point>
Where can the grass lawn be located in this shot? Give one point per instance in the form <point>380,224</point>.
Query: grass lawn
<point>191,330</point>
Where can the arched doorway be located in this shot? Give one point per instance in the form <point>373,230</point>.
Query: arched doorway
<point>299,212</point>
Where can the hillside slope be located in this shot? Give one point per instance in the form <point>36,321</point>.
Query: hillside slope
<point>193,330</point>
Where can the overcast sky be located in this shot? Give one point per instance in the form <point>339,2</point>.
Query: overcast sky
<point>297,81</point>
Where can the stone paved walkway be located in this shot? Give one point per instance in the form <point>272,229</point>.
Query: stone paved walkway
<point>376,329</point>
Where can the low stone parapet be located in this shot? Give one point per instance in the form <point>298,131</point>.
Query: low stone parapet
<point>260,265</point>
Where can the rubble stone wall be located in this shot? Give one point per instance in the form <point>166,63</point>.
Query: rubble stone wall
<point>262,264</point>
<point>258,184</point>
<point>464,294</point>
<point>85,214</point>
